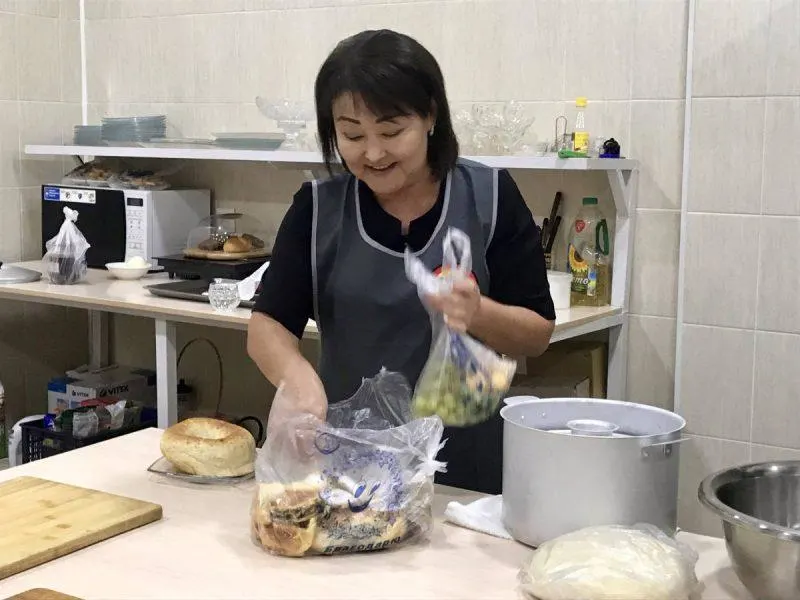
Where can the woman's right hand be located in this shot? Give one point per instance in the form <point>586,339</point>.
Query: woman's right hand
<point>300,393</point>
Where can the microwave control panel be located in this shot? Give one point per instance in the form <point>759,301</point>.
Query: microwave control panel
<point>135,227</point>
<point>60,194</point>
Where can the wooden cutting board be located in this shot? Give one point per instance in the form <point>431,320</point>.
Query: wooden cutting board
<point>42,594</point>
<point>41,520</point>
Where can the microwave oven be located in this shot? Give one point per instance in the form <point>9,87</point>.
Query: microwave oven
<point>120,223</point>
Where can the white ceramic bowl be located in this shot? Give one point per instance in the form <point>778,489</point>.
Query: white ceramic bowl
<point>122,271</point>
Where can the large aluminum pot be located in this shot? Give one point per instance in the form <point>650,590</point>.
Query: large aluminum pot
<point>759,505</point>
<point>570,463</point>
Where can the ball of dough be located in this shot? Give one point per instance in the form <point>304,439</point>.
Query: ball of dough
<point>209,447</point>
<point>610,562</point>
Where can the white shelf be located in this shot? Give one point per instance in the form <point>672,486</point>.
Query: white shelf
<point>314,159</point>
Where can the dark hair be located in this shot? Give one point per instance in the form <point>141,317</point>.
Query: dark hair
<point>394,75</point>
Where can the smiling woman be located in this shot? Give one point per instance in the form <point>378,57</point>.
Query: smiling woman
<point>338,257</point>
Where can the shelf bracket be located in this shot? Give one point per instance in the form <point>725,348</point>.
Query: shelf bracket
<point>620,189</point>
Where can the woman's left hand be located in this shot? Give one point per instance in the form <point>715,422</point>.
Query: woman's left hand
<point>460,306</point>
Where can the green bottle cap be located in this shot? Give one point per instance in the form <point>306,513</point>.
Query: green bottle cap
<point>590,201</point>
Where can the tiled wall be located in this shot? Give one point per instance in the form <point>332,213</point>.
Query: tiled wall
<point>39,97</point>
<point>740,349</point>
<point>204,62</point>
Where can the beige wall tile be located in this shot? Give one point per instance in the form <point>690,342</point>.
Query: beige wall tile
<point>96,9</point>
<point>173,45</point>
<point>10,236</point>
<point>700,457</point>
<point>777,382</point>
<point>726,155</point>
<point>41,8</point>
<point>8,56</point>
<point>651,364</point>
<point>526,67</point>
<point>783,66</point>
<point>759,453</point>
<point>657,143</point>
<point>9,144</point>
<point>598,66</point>
<point>779,275</point>
<point>38,67</point>
<point>70,60</point>
<point>730,47</point>
<point>9,6</point>
<point>216,79</point>
<point>31,219</point>
<point>100,60</point>
<point>781,175</point>
<point>716,387</point>
<point>654,282</point>
<point>721,270</point>
<point>658,65</point>
<point>70,9</point>
<point>42,123</point>
<point>264,63</point>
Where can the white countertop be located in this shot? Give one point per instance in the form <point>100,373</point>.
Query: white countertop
<point>202,547</point>
<point>101,292</point>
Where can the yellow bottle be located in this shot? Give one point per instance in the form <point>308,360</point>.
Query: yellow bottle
<point>580,136</point>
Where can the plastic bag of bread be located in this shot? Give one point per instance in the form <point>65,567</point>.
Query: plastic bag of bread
<point>611,563</point>
<point>362,481</point>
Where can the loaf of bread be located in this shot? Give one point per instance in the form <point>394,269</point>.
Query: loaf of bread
<point>209,447</point>
<point>237,244</point>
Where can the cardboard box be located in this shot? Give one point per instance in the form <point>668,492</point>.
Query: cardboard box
<point>576,360</point>
<point>551,386</point>
<point>125,383</point>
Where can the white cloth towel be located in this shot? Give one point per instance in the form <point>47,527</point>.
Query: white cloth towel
<point>484,515</point>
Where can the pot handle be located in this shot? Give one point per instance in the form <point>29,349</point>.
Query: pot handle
<point>662,448</point>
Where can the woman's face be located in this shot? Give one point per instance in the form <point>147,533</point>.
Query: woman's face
<point>387,152</point>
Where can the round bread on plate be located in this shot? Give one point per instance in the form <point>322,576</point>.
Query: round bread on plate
<point>209,447</point>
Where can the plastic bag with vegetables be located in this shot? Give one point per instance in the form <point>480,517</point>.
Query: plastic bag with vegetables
<point>65,259</point>
<point>463,381</point>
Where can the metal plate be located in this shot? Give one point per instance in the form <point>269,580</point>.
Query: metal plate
<point>165,468</point>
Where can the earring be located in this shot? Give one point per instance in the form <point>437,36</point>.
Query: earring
<point>430,132</point>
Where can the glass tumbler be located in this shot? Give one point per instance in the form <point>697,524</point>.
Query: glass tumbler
<point>224,295</point>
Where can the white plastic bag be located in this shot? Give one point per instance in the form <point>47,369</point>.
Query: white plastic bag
<point>611,563</point>
<point>65,259</point>
<point>463,381</point>
<point>363,481</point>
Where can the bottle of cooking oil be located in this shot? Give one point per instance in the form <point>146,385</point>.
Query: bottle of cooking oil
<point>589,250</point>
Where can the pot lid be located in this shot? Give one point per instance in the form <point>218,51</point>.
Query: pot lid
<point>590,417</point>
<point>14,274</point>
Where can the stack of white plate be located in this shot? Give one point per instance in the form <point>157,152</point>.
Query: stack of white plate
<point>87,135</point>
<point>134,129</point>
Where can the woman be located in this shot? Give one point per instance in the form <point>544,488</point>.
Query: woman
<point>338,257</point>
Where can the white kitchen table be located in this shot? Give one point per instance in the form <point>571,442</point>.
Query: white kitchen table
<point>100,294</point>
<point>202,548</point>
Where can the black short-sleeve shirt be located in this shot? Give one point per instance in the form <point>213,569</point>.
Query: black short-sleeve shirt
<point>515,257</point>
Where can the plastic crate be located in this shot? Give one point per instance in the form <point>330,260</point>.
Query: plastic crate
<point>38,442</point>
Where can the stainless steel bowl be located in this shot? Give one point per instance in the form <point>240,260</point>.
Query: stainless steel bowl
<point>760,509</point>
